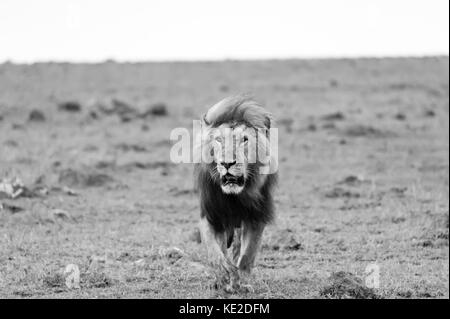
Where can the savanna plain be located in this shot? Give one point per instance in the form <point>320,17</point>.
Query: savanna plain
<point>362,201</point>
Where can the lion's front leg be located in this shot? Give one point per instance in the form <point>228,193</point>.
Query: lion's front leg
<point>251,237</point>
<point>216,243</point>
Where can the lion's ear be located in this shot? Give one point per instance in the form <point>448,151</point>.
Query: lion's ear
<point>205,121</point>
<point>268,122</point>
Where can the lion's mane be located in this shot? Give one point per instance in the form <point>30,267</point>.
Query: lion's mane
<point>254,205</point>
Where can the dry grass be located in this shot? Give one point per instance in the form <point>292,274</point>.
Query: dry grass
<point>361,187</point>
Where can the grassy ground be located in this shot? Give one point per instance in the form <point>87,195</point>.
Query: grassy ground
<point>364,177</point>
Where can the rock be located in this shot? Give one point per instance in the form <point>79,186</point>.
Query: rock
<point>398,220</point>
<point>149,165</point>
<point>292,244</point>
<point>329,126</point>
<point>352,180</point>
<point>339,192</point>
<point>96,180</point>
<point>69,106</point>
<point>338,116</point>
<point>172,253</point>
<point>69,191</point>
<point>124,110</point>
<point>6,190</point>
<point>366,131</point>
<point>157,109</point>
<point>345,285</point>
<point>13,209</point>
<point>62,214</point>
<point>333,83</point>
<point>36,116</point>
<point>131,147</point>
<point>13,188</point>
<point>113,106</point>
<point>312,127</point>
<point>430,113</point>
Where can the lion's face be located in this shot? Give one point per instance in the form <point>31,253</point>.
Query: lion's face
<point>236,151</point>
<point>230,151</point>
<point>233,148</point>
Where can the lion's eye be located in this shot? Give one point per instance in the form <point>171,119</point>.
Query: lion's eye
<point>245,139</point>
<point>219,139</point>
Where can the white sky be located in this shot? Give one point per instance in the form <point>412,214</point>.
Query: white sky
<point>94,30</point>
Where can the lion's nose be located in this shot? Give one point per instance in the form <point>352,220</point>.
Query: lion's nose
<point>227,165</point>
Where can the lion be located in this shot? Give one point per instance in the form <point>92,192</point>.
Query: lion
<point>235,177</point>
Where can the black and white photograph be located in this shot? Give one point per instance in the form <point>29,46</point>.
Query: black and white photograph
<point>226,150</point>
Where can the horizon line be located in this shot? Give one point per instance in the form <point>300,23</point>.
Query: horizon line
<point>230,59</point>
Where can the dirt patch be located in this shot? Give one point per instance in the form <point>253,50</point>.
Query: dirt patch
<point>114,106</point>
<point>369,205</point>
<point>176,191</point>
<point>339,192</point>
<point>73,178</point>
<point>353,180</point>
<point>124,147</point>
<point>125,110</point>
<point>366,131</point>
<point>149,165</point>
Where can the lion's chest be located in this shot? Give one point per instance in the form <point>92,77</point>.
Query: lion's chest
<point>230,211</point>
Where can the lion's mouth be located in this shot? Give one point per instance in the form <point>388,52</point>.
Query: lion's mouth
<point>229,179</point>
